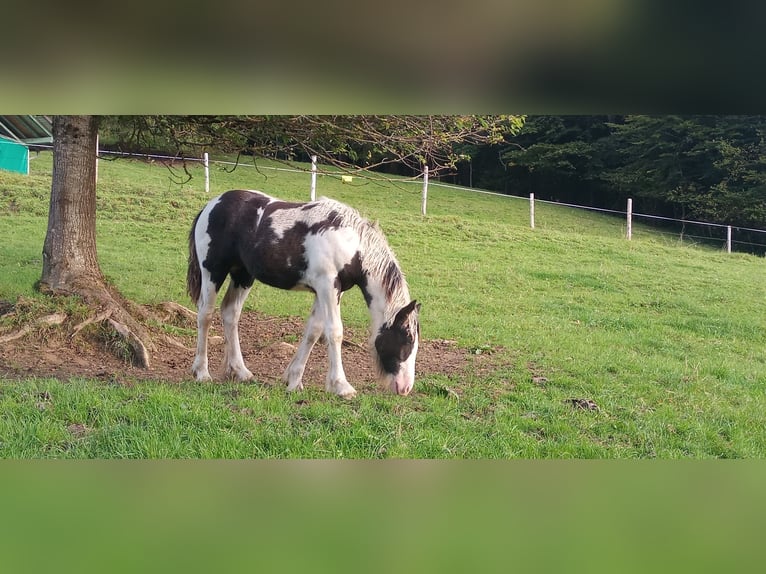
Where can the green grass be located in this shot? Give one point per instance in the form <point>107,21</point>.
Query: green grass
<point>665,337</point>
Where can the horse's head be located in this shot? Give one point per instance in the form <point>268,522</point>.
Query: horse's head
<point>396,345</point>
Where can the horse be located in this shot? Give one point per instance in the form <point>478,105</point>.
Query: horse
<point>323,246</point>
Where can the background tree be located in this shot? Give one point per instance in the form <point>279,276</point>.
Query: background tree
<point>70,260</point>
<point>560,158</point>
<point>707,168</point>
<point>351,141</point>
<point>70,263</point>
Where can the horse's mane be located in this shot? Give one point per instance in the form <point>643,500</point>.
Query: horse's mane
<point>377,258</point>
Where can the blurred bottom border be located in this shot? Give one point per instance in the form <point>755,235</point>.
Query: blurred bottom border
<point>430,516</point>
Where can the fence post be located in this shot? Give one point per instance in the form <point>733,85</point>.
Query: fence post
<point>630,219</point>
<point>96,159</point>
<point>206,163</point>
<point>532,210</point>
<point>313,177</point>
<point>425,190</point>
<point>728,239</point>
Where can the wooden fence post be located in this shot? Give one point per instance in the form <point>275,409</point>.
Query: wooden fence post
<point>206,163</point>
<point>96,159</point>
<point>728,239</point>
<point>630,219</point>
<point>532,210</point>
<point>425,190</point>
<point>313,177</point>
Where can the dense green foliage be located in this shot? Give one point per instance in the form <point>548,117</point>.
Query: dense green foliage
<point>708,168</point>
<point>665,339</point>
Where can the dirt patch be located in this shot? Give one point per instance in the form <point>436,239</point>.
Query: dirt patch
<point>268,344</point>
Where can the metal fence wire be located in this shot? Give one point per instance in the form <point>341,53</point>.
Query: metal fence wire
<point>729,237</point>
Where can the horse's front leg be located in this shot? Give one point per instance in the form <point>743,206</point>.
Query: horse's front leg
<point>293,375</point>
<point>336,381</point>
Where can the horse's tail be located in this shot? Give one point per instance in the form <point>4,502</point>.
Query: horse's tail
<point>193,272</point>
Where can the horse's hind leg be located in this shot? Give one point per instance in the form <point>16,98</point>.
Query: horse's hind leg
<point>205,309</point>
<point>231,309</point>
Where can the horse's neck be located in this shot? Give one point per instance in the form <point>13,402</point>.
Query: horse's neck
<point>382,308</point>
<point>387,291</point>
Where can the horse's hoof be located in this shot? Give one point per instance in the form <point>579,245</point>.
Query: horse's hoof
<point>240,375</point>
<point>344,390</point>
<point>245,376</point>
<point>293,387</point>
<point>202,377</point>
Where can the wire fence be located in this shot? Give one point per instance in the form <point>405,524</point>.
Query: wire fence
<point>681,229</point>
<point>729,237</point>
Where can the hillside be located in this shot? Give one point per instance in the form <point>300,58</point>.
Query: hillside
<point>569,341</point>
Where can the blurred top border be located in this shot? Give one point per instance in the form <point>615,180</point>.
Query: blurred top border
<point>486,56</point>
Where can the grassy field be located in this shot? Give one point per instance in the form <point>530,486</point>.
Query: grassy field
<point>665,339</point>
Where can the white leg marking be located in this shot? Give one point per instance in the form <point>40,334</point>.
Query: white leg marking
<point>231,309</point>
<point>206,303</point>
<point>293,375</point>
<point>205,308</point>
<point>336,381</point>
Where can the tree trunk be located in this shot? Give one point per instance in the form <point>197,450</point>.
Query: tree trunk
<point>69,253</point>
<point>70,262</point>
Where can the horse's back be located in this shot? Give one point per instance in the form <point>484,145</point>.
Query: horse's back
<point>238,203</point>
<point>233,217</point>
<point>288,245</point>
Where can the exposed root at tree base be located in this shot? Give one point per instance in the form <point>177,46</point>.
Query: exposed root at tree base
<point>90,321</point>
<point>172,309</point>
<point>140,352</point>
<point>52,319</point>
<point>125,323</point>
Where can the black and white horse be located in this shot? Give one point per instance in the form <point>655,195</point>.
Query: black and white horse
<point>323,246</point>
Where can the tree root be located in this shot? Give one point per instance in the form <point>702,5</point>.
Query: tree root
<point>90,321</point>
<point>129,323</point>
<point>140,352</point>
<point>123,316</point>
<point>113,312</point>
<point>52,319</point>
<point>171,341</point>
<point>172,308</point>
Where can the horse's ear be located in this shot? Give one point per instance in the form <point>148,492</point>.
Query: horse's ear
<point>403,316</point>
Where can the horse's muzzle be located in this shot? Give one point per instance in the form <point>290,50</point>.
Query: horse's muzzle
<point>402,385</point>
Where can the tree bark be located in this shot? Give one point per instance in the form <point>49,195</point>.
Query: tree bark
<point>70,261</point>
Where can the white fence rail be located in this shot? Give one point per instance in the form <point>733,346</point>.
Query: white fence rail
<point>629,214</point>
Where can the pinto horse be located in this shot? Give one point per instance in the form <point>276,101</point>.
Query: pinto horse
<point>323,246</point>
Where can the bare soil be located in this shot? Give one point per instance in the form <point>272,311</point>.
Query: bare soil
<point>268,344</point>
